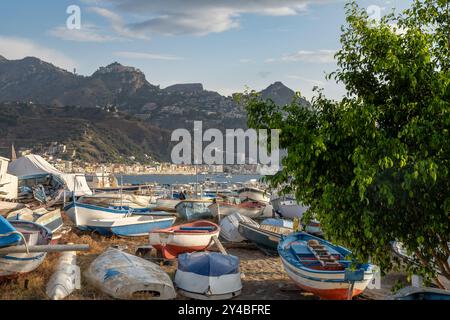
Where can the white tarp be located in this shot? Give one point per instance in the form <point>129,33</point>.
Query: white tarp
<point>32,165</point>
<point>8,183</point>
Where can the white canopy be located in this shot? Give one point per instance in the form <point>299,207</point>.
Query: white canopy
<point>8,183</point>
<point>32,165</point>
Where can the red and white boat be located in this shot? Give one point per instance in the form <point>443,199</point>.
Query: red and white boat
<point>190,237</point>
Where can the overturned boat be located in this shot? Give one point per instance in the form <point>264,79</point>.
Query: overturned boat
<point>288,207</point>
<point>194,209</point>
<point>51,219</point>
<point>251,209</point>
<point>125,276</point>
<point>208,276</point>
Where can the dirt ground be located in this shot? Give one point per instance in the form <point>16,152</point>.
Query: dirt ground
<point>263,277</point>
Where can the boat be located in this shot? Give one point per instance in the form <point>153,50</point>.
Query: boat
<point>265,235</point>
<point>129,226</point>
<point>251,209</point>
<point>125,276</point>
<point>229,227</point>
<point>190,237</point>
<point>288,207</point>
<point>208,276</point>
<point>51,219</point>
<point>6,207</point>
<point>66,278</point>
<point>421,293</point>
<point>166,204</point>
<point>254,194</point>
<point>320,267</point>
<point>194,209</point>
<point>313,227</point>
<point>19,233</point>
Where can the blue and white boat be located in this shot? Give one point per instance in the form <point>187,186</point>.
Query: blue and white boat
<point>319,267</point>
<point>422,293</point>
<point>82,213</point>
<point>18,233</point>
<point>130,226</point>
<point>194,209</point>
<point>208,276</point>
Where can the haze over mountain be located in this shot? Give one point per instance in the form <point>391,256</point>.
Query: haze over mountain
<point>125,90</point>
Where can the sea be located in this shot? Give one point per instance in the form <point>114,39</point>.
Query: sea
<point>183,179</point>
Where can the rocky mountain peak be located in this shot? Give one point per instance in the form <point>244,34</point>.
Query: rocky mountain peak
<point>185,88</point>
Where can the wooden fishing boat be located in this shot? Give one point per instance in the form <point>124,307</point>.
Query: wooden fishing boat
<point>190,237</point>
<point>288,207</point>
<point>251,209</point>
<point>51,219</point>
<point>125,276</point>
<point>319,267</point>
<point>229,227</point>
<point>265,235</point>
<point>19,233</point>
<point>131,226</point>
<point>194,209</point>
<point>208,276</point>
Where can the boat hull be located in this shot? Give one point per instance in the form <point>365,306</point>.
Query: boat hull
<point>82,214</point>
<point>128,227</point>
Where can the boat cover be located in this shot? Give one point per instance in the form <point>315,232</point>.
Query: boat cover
<point>211,264</point>
<point>5,239</point>
<point>32,165</point>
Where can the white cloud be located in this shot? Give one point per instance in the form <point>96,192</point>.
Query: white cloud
<point>319,56</point>
<point>197,17</point>
<point>145,56</point>
<point>87,33</point>
<point>14,48</point>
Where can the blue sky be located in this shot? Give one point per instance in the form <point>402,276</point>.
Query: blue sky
<point>224,44</point>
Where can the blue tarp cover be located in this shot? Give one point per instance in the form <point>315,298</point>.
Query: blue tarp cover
<point>211,264</point>
<point>5,228</point>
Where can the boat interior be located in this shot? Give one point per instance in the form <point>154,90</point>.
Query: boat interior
<point>314,255</point>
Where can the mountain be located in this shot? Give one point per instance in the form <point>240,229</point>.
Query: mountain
<point>94,134</point>
<point>122,90</point>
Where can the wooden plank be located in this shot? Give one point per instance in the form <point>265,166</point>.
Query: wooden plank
<point>219,245</point>
<point>45,248</point>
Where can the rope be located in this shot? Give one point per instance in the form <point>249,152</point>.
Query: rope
<point>21,235</point>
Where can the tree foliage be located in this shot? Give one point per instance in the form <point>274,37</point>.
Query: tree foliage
<point>374,167</point>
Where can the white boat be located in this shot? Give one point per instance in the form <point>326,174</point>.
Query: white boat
<point>288,207</point>
<point>132,226</point>
<point>251,209</point>
<point>208,276</point>
<point>229,227</point>
<point>51,219</point>
<point>125,276</point>
<point>166,204</point>
<point>66,278</point>
<point>254,194</point>
<point>82,214</point>
<point>18,233</point>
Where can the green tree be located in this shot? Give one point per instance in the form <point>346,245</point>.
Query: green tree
<point>374,167</point>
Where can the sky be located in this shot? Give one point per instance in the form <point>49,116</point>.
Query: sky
<point>227,45</point>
